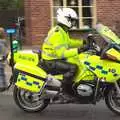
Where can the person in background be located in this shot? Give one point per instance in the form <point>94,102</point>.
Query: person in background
<point>3,53</point>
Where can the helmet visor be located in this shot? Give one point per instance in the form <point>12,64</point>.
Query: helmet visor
<point>74,23</point>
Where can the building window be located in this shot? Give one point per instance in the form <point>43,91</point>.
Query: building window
<point>86,10</point>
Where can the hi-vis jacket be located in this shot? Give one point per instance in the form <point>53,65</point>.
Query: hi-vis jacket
<point>58,45</point>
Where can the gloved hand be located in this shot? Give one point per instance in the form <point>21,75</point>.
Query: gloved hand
<point>90,40</point>
<point>88,44</point>
<point>83,49</point>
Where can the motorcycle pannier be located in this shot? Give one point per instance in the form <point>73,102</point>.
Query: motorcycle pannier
<point>29,81</point>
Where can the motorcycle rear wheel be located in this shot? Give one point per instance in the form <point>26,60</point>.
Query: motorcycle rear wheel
<point>24,100</point>
<point>112,100</point>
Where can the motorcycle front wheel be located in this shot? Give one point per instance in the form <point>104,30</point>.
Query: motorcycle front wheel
<point>112,100</point>
<point>29,102</point>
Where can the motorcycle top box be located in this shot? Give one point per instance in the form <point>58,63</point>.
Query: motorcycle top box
<point>25,56</point>
<point>29,78</point>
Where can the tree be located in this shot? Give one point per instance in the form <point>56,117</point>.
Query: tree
<point>19,3</point>
<point>11,4</point>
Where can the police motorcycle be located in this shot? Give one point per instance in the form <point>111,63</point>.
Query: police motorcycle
<point>98,76</point>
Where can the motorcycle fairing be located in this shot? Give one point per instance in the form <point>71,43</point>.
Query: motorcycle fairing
<point>103,68</point>
<point>91,66</point>
<point>83,72</point>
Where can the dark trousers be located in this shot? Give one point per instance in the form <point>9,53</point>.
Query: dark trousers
<point>3,82</point>
<point>55,67</point>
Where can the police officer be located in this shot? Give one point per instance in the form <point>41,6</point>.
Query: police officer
<point>58,46</point>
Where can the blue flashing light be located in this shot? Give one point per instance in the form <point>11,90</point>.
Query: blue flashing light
<point>11,31</point>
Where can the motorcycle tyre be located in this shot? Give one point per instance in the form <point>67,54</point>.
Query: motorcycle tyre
<point>40,109</point>
<point>107,101</point>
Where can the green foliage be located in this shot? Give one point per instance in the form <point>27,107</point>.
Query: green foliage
<point>11,4</point>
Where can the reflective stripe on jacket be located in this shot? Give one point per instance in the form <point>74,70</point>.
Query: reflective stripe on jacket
<point>58,45</point>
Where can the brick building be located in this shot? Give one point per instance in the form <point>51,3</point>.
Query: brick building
<point>40,16</point>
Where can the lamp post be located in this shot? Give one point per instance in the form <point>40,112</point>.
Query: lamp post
<point>10,32</point>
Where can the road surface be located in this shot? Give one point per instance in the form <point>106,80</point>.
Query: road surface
<point>10,111</point>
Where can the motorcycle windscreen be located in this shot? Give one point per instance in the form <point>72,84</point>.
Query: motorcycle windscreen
<point>107,33</point>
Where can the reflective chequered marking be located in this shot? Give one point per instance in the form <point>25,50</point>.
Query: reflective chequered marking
<point>23,77</point>
<point>98,67</point>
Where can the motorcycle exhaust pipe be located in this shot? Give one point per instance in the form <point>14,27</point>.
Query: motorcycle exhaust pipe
<point>53,86</point>
<point>51,93</point>
<point>52,81</point>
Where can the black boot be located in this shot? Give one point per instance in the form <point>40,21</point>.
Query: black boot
<point>67,93</point>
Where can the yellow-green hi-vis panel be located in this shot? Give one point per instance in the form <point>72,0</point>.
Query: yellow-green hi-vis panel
<point>29,83</point>
<point>103,68</point>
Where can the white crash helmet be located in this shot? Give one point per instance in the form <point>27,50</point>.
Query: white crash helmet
<point>66,16</point>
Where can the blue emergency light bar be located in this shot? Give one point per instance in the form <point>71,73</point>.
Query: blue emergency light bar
<point>11,31</point>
